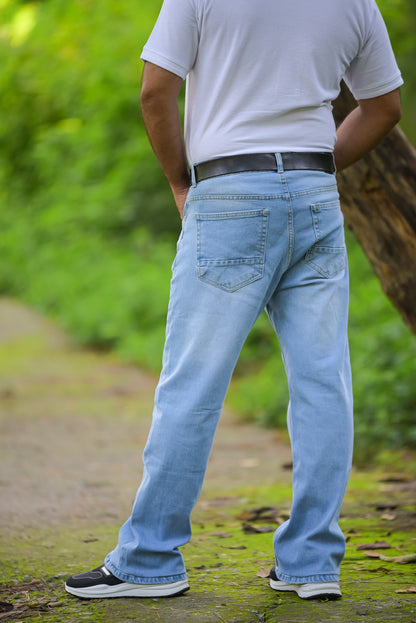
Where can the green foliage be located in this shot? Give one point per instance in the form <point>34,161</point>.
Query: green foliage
<point>107,293</point>
<point>383,362</point>
<point>71,133</point>
<point>88,226</point>
<point>400,17</point>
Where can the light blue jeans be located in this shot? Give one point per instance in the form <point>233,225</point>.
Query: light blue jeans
<point>250,241</point>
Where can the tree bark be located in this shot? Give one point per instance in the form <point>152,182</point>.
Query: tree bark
<point>378,198</point>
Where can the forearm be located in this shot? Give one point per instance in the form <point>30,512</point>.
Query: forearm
<point>162,121</point>
<point>365,127</point>
<point>163,127</point>
<point>356,137</point>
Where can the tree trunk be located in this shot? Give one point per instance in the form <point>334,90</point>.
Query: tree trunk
<point>378,198</point>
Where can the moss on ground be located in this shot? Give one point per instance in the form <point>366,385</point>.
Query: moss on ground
<point>223,564</point>
<point>45,381</point>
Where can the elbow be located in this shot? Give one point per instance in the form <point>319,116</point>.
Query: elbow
<point>392,118</point>
<point>394,108</point>
<point>148,97</point>
<point>394,113</point>
<point>159,87</point>
<point>154,97</point>
<point>388,120</point>
<point>397,114</point>
<point>383,112</point>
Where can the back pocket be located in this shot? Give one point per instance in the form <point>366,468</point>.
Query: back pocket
<point>231,248</point>
<point>328,255</point>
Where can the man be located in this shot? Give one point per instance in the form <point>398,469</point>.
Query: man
<point>262,229</point>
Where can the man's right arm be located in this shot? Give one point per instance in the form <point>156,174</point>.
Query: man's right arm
<point>365,127</point>
<point>158,98</point>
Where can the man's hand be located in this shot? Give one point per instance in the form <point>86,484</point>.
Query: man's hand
<point>180,195</point>
<point>158,98</point>
<point>365,127</point>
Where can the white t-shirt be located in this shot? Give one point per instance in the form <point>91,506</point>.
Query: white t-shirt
<point>261,74</point>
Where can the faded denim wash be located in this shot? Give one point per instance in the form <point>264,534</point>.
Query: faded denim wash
<point>250,241</point>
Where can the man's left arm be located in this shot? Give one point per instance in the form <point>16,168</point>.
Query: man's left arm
<point>365,127</point>
<point>159,104</point>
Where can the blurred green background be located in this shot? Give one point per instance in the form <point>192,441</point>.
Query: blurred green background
<point>88,227</point>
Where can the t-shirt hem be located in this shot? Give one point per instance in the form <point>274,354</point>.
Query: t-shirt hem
<point>368,93</point>
<point>164,63</point>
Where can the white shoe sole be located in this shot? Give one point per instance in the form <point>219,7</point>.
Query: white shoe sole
<point>317,590</point>
<point>126,589</point>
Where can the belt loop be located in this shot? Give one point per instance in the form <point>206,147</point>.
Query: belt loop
<point>193,176</point>
<point>279,162</point>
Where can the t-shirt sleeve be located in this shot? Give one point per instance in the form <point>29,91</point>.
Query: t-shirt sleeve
<point>374,70</point>
<point>173,43</point>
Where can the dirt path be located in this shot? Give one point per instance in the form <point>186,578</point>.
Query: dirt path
<point>73,424</point>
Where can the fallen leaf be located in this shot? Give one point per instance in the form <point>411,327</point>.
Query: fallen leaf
<point>376,545</point>
<point>54,604</point>
<point>386,507</point>
<point>372,554</point>
<point>378,570</point>
<point>400,559</point>
<point>411,589</point>
<point>264,513</point>
<point>263,573</point>
<point>237,547</point>
<point>253,529</point>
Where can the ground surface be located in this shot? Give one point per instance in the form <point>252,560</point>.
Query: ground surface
<point>72,428</point>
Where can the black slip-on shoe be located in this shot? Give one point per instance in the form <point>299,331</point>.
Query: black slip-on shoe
<point>312,590</point>
<point>100,583</point>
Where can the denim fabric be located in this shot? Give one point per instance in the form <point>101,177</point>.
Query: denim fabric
<point>250,241</point>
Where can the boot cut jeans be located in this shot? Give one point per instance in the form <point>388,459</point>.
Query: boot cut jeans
<point>269,240</point>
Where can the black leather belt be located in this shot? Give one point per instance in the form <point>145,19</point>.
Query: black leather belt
<point>240,163</point>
